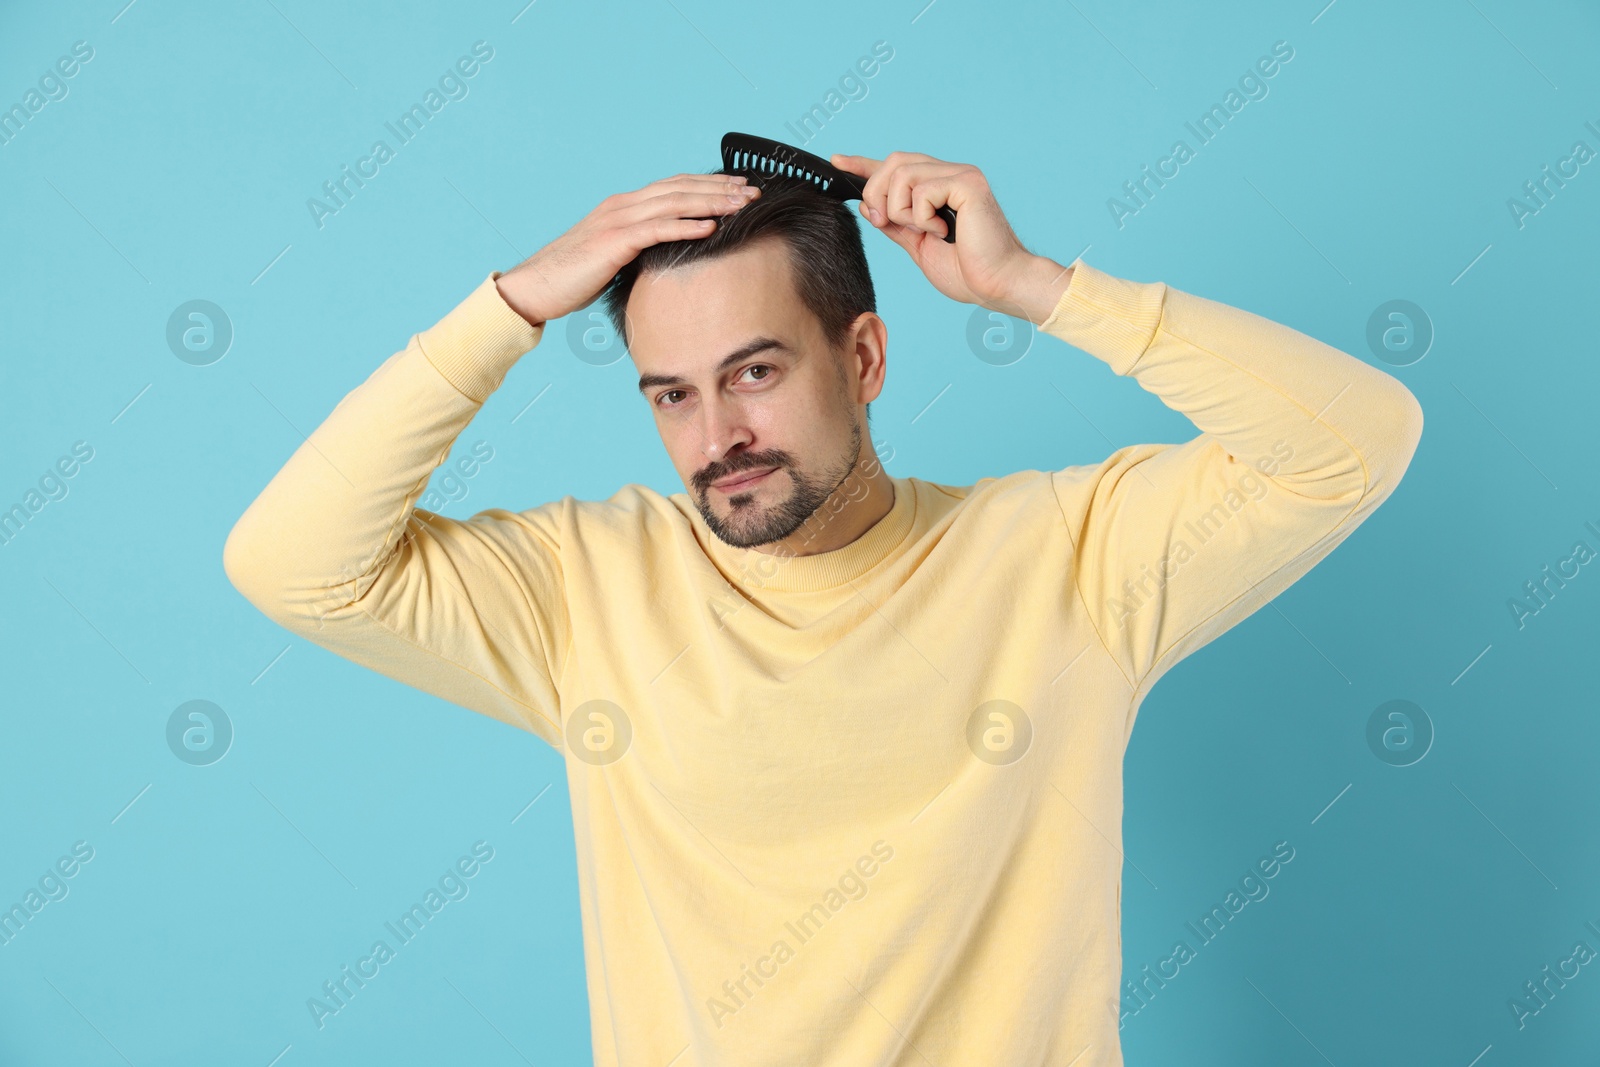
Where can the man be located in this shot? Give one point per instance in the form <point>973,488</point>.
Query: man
<point>844,749</point>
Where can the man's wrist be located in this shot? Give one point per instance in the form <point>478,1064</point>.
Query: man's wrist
<point>478,341</point>
<point>1038,289</point>
<point>513,302</point>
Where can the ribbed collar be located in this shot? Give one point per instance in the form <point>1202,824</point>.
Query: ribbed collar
<point>754,569</point>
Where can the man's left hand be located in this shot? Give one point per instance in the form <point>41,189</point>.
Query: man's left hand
<point>987,264</point>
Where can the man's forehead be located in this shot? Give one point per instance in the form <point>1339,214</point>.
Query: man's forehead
<point>688,320</point>
<point>756,273</point>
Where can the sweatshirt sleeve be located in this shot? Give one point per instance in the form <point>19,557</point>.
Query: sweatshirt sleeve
<point>335,550</point>
<point>1299,442</point>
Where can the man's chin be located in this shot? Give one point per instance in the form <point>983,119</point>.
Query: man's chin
<point>742,534</point>
<point>748,526</point>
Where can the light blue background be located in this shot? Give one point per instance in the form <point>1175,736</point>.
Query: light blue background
<point>1378,167</point>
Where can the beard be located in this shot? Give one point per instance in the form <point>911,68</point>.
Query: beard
<point>749,522</point>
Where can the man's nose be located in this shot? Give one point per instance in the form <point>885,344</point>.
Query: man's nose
<point>724,428</point>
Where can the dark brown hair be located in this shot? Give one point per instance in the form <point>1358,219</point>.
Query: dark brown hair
<point>823,239</point>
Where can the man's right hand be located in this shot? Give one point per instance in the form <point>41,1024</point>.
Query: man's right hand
<point>569,272</point>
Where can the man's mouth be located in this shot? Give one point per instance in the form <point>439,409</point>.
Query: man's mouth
<point>743,480</point>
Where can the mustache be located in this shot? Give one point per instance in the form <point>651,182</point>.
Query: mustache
<point>751,461</point>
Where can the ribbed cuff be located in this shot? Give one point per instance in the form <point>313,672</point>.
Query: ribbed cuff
<point>1112,319</point>
<point>478,341</point>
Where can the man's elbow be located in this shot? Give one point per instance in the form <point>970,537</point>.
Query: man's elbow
<point>266,574</point>
<point>1401,434</point>
<point>245,562</point>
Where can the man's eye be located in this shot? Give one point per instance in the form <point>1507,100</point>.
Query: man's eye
<point>766,369</point>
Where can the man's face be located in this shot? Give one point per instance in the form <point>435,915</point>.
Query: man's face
<point>741,381</point>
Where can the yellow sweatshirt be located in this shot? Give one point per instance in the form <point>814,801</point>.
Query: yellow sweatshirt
<point>859,807</point>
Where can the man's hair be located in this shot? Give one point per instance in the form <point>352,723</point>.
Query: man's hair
<point>821,235</point>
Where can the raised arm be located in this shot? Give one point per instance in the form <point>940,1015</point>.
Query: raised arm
<point>1299,443</point>
<point>335,550</point>
<point>472,610</point>
<point>1173,544</point>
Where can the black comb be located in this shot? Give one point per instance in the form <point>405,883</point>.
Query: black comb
<point>762,155</point>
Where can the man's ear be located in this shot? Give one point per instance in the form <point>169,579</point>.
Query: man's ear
<point>867,354</point>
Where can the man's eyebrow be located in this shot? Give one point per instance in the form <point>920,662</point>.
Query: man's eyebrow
<point>744,351</point>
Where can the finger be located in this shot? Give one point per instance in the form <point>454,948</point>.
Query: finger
<point>907,238</point>
<point>928,196</point>
<point>876,192</point>
<point>662,230</point>
<point>684,204</point>
<point>717,176</point>
<point>703,183</point>
<point>918,188</point>
<point>698,183</point>
<point>893,170</point>
<point>636,238</point>
<point>859,165</point>
<point>923,217</point>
